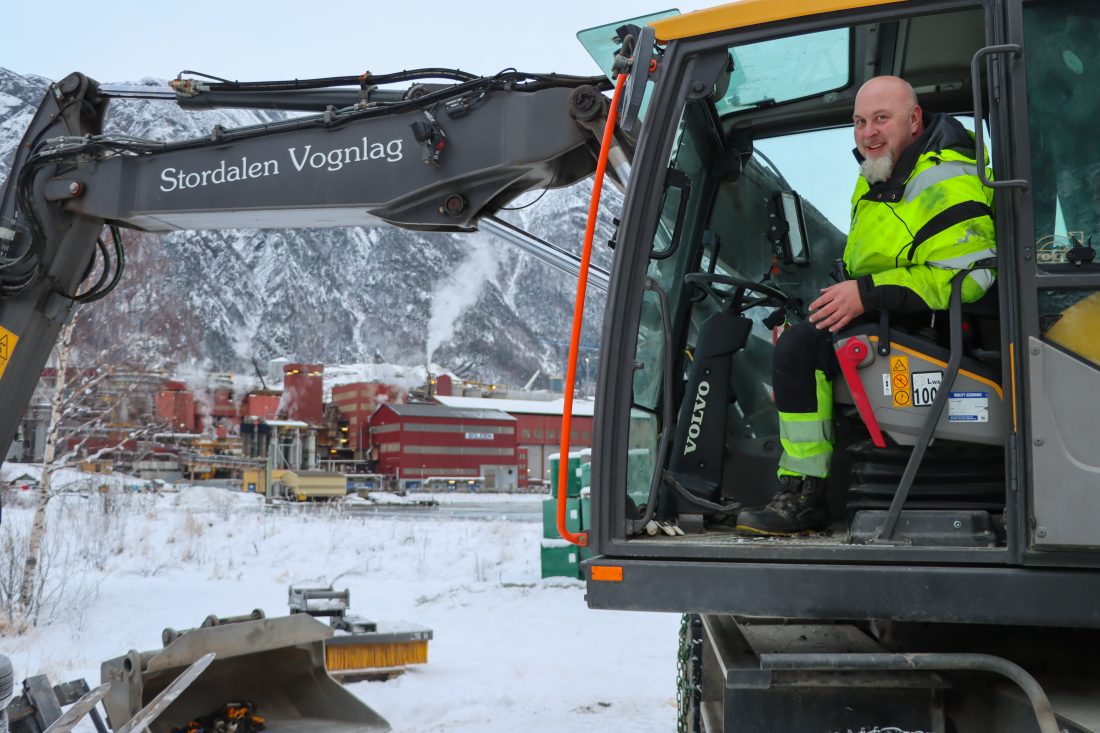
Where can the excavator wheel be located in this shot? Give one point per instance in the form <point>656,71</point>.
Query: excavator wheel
<point>7,685</point>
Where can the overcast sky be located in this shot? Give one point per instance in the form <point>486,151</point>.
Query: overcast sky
<point>126,40</point>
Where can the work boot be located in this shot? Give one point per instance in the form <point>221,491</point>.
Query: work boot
<point>798,507</point>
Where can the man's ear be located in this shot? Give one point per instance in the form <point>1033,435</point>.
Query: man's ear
<point>916,119</point>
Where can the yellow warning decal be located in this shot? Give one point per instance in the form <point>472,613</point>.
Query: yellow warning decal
<point>899,379</point>
<point>8,340</point>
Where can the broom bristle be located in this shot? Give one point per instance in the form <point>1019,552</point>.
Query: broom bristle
<point>370,656</point>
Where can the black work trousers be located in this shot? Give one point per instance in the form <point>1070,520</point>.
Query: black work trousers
<point>802,350</point>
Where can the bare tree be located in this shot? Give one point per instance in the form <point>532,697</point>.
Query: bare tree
<point>83,403</point>
<point>49,467</point>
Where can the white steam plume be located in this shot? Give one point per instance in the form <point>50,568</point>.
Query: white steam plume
<point>458,292</point>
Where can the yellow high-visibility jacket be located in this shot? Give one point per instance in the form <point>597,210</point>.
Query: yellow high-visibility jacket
<point>933,217</point>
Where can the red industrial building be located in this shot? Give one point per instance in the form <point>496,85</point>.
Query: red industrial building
<point>224,409</point>
<point>538,426</point>
<point>303,392</point>
<point>176,407</point>
<point>424,441</point>
<point>261,403</point>
<point>444,385</point>
<point>358,401</point>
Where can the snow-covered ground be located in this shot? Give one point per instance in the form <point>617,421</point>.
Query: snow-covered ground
<point>511,650</point>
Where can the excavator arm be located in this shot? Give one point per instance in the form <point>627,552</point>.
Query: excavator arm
<point>433,157</point>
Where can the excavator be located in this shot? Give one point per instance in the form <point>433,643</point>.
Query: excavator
<point>957,586</point>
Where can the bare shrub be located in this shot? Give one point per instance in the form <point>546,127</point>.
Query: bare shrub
<point>18,499</point>
<point>192,527</point>
<point>105,526</point>
<point>224,505</point>
<point>153,568</point>
<point>60,581</point>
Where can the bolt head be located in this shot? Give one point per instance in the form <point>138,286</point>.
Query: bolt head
<point>454,205</point>
<point>585,101</point>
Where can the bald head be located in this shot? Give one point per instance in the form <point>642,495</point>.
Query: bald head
<point>887,121</point>
<point>888,87</point>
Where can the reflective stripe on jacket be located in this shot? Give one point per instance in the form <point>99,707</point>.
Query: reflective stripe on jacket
<point>918,236</point>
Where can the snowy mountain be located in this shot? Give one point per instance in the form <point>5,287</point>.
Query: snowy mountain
<point>221,298</point>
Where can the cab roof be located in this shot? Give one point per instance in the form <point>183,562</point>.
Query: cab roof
<point>749,12</point>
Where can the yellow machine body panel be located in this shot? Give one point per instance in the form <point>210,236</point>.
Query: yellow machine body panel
<point>750,12</point>
<point>1078,330</point>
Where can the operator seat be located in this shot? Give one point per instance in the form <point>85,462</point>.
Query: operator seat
<point>900,372</point>
<point>893,377</point>
<point>900,384</point>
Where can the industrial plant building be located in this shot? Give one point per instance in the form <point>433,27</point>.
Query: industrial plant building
<point>445,435</point>
<point>417,442</point>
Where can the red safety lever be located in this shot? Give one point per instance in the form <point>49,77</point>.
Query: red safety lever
<point>850,356</point>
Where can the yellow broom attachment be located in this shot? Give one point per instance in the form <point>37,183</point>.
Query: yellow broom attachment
<point>376,650</point>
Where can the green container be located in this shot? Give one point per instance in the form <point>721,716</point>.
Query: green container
<point>550,517</point>
<point>586,511</point>
<point>560,560</point>
<point>574,482</point>
<point>586,475</point>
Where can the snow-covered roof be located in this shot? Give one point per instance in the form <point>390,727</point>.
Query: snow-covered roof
<point>581,408</point>
<point>419,409</point>
<point>408,377</point>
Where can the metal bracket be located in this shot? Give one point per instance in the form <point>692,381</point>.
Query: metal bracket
<point>166,697</point>
<point>86,704</point>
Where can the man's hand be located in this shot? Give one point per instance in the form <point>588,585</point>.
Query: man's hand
<point>837,305</point>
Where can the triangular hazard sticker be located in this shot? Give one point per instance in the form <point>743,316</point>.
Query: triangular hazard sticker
<point>8,342</point>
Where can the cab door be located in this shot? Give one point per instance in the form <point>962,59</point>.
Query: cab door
<point>1058,351</point>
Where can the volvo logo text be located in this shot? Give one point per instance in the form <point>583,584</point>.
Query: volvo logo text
<point>696,426</point>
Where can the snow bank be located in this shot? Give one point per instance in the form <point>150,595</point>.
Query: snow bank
<point>511,650</point>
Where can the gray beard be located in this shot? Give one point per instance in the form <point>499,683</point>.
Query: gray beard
<point>877,169</point>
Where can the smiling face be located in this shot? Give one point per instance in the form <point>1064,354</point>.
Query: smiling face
<point>887,119</point>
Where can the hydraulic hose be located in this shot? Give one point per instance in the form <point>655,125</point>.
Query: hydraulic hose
<point>581,539</point>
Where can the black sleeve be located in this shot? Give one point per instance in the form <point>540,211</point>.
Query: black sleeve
<point>895,298</point>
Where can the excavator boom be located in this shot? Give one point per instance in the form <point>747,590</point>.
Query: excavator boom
<point>434,158</point>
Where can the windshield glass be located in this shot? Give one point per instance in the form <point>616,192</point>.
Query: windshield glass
<point>1064,155</point>
<point>772,72</point>
<point>720,225</point>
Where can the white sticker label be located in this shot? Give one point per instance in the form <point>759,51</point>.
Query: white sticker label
<point>887,390</point>
<point>968,407</point>
<point>925,385</point>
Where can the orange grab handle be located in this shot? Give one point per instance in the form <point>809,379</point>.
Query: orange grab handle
<point>581,539</point>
